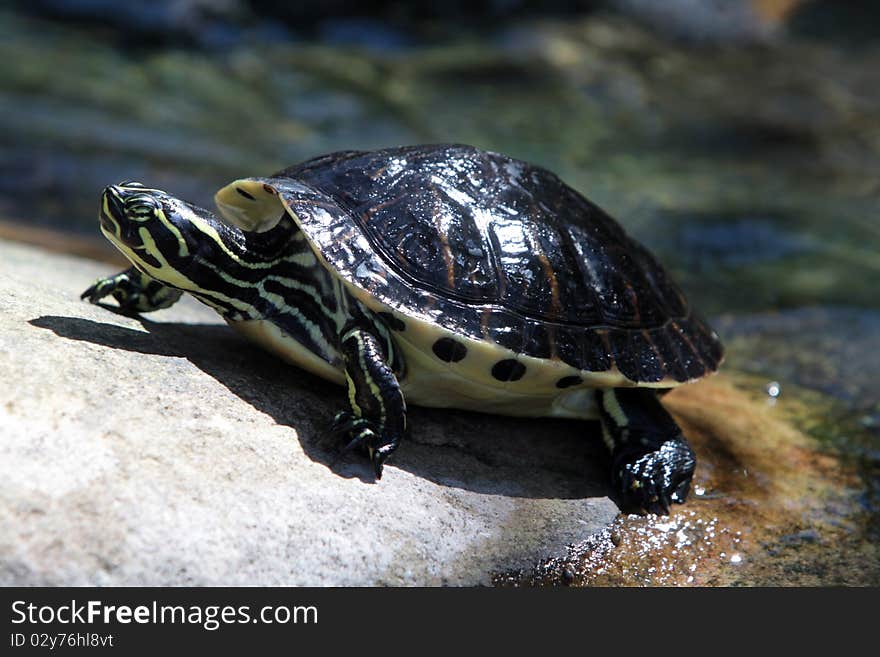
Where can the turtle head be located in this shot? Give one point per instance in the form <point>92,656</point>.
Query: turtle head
<point>163,236</point>
<point>137,219</point>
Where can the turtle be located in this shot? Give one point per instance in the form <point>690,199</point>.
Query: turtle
<point>437,275</point>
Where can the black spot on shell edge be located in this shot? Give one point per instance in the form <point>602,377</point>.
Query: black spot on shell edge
<point>449,350</point>
<point>508,370</point>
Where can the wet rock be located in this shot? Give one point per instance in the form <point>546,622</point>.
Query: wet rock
<point>170,451</point>
<point>835,350</point>
<point>772,503</point>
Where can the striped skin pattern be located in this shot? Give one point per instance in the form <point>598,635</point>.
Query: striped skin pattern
<point>272,276</point>
<point>134,291</point>
<point>271,286</point>
<point>651,460</point>
<point>378,410</point>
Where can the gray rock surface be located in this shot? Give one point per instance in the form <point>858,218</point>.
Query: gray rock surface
<point>169,451</point>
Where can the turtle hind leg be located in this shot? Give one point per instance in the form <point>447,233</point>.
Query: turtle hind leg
<point>376,422</point>
<point>652,463</point>
<point>135,292</point>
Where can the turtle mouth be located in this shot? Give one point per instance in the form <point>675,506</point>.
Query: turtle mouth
<point>112,210</point>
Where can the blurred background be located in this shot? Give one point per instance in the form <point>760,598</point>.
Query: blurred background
<point>738,139</point>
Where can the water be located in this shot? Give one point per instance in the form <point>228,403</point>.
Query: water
<point>749,170</point>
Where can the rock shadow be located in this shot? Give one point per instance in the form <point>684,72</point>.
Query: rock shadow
<point>516,457</point>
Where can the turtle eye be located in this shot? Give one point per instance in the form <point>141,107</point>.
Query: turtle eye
<point>141,206</point>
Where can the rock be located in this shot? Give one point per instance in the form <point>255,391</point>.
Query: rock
<point>772,504</point>
<point>168,451</point>
<point>835,350</point>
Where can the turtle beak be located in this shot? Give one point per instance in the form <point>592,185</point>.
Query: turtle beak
<point>112,208</point>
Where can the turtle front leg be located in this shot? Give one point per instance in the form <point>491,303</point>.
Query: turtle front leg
<point>134,291</point>
<point>377,420</point>
<point>652,463</point>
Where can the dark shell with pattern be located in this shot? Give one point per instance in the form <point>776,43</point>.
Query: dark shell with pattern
<point>497,249</point>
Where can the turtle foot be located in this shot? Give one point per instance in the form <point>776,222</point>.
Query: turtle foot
<point>364,435</point>
<point>134,292</point>
<point>651,481</point>
<point>120,286</point>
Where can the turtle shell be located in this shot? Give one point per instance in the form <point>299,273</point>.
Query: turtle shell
<point>498,250</point>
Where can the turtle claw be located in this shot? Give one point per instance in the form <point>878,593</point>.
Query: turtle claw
<point>342,423</point>
<point>363,435</point>
<point>652,481</point>
<point>379,454</point>
<point>100,289</point>
<point>134,292</point>
<point>121,287</point>
<point>346,424</point>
